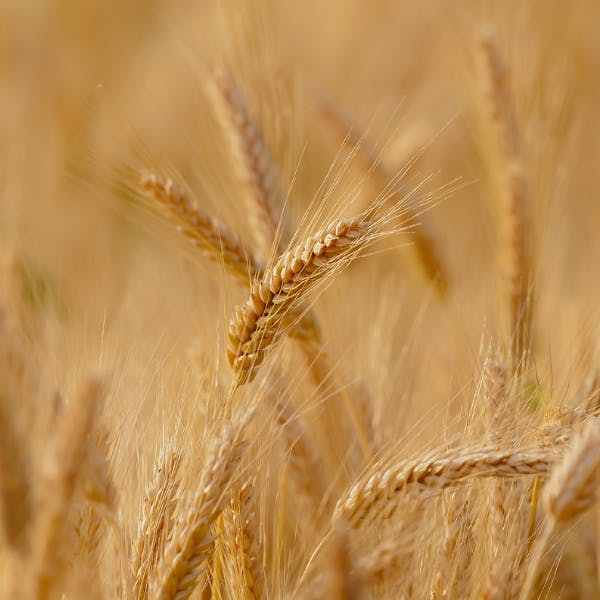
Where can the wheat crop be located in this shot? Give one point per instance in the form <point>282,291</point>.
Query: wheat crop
<point>298,300</point>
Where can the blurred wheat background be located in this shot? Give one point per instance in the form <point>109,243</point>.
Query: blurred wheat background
<point>369,366</point>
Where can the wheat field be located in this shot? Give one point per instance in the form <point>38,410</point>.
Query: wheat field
<point>298,299</point>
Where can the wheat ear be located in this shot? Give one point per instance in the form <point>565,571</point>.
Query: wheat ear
<point>61,475</point>
<point>348,135</point>
<point>571,490</point>
<point>505,497</point>
<point>516,254</point>
<point>207,234</point>
<point>377,495</point>
<point>157,519</point>
<point>256,169</point>
<point>183,565</point>
<point>244,545</point>
<point>255,325</point>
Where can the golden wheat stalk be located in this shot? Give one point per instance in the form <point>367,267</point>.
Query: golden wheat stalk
<point>182,566</point>
<point>157,519</point>
<point>207,234</point>
<point>256,169</point>
<point>377,494</point>
<point>348,135</point>
<point>515,232</point>
<point>60,477</point>
<point>256,325</point>
<point>571,491</point>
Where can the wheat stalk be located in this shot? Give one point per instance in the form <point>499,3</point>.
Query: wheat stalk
<point>182,566</point>
<point>377,494</point>
<point>256,168</point>
<point>207,234</point>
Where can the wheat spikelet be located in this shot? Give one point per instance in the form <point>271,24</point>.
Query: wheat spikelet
<point>377,495</point>
<point>256,324</point>
<point>213,238</point>
<point>61,475</point>
<point>256,168</point>
<point>157,516</point>
<point>425,248</point>
<point>182,566</point>
<point>244,545</point>
<point>516,259</point>
<point>570,491</point>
